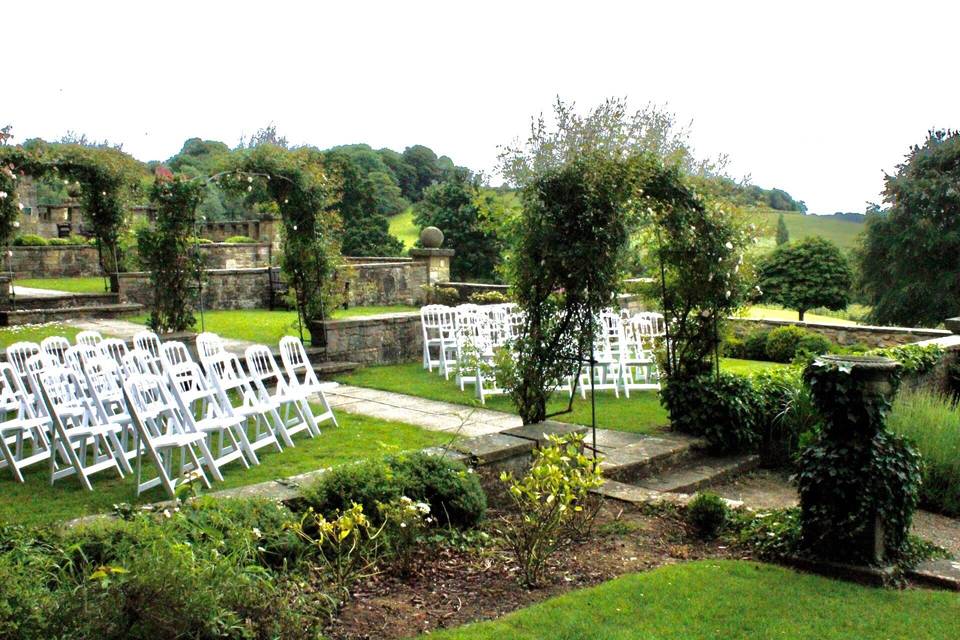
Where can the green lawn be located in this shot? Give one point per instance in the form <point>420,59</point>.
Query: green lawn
<point>774,313</point>
<point>724,600</point>
<point>36,502</point>
<point>843,233</point>
<point>641,413</point>
<point>267,327</point>
<point>72,285</point>
<point>35,333</point>
<point>746,367</point>
<point>404,229</point>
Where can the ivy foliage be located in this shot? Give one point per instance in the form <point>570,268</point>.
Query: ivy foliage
<point>723,409</point>
<point>915,359</point>
<point>856,475</point>
<point>805,275</point>
<point>107,178</point>
<point>166,251</point>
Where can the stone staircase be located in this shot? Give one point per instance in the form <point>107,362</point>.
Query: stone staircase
<point>59,308</point>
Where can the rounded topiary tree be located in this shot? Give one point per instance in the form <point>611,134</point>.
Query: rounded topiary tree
<point>805,275</point>
<point>858,483</point>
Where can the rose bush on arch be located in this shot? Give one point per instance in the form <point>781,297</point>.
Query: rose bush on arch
<point>296,181</point>
<point>107,177</point>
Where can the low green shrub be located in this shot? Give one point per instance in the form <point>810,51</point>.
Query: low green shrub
<point>59,242</point>
<point>916,359</point>
<point>30,240</point>
<point>435,294</point>
<point>240,240</point>
<point>707,514</point>
<point>489,297</point>
<point>721,408</point>
<point>932,423</point>
<point>782,343</point>
<point>452,491</point>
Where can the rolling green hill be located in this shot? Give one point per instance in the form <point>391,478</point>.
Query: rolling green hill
<point>841,232</point>
<point>403,228</point>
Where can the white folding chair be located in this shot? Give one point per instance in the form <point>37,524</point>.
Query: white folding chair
<point>203,411</point>
<point>174,352</point>
<point>160,435</point>
<point>113,348</point>
<point>18,353</point>
<point>24,437</point>
<point>209,345</point>
<point>104,380</point>
<point>81,444</point>
<point>89,338</point>
<point>239,397</point>
<point>55,347</point>
<point>271,385</point>
<point>302,377</point>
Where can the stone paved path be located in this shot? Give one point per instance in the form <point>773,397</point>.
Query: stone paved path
<point>30,292</point>
<point>429,414</point>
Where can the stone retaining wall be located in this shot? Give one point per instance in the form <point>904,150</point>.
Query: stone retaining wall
<point>223,288</point>
<point>386,283</point>
<point>845,335</point>
<point>221,255</point>
<point>388,338</point>
<point>55,262</point>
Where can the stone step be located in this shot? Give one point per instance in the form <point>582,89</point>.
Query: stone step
<point>38,316</point>
<point>699,472</point>
<point>28,303</point>
<point>327,370</point>
<point>628,457</point>
<point>632,494</point>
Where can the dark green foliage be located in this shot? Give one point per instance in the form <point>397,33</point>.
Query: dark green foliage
<point>423,161</point>
<point>805,275</point>
<point>435,294</point>
<point>571,238</point>
<point>165,250</point>
<point>786,416</point>
<point>909,267</point>
<point>755,345</point>
<point>450,206</point>
<point>915,359</point>
<point>206,570</point>
<point>365,226</point>
<point>452,491</point>
<point>30,240</point>
<point>855,471</point>
<point>707,513</point>
<point>783,236</point>
<point>721,408</point>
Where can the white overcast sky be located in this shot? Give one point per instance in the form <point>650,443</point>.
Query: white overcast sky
<point>815,98</point>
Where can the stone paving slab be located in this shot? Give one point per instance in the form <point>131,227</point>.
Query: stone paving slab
<point>691,477</point>
<point>940,573</point>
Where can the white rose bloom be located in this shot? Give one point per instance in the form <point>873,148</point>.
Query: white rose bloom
<point>3,195</point>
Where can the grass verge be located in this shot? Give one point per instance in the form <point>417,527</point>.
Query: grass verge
<point>727,599</point>
<point>70,285</point>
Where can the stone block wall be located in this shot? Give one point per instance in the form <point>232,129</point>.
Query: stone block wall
<point>221,255</point>
<point>223,289</point>
<point>385,283</point>
<point>382,339</point>
<point>844,335</point>
<point>55,262</point>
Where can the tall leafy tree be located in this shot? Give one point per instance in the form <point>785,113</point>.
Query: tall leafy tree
<point>805,275</point>
<point>366,231</point>
<point>909,265</point>
<point>783,235</point>
<point>452,207</point>
<point>424,163</point>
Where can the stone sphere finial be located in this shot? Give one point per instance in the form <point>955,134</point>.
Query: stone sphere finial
<point>431,238</point>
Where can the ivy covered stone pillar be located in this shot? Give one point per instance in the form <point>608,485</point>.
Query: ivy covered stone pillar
<point>858,482</point>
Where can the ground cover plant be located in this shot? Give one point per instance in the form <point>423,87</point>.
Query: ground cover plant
<point>357,438</point>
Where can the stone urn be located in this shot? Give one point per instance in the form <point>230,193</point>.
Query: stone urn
<point>431,238</point>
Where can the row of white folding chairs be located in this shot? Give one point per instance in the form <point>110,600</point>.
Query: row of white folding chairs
<point>86,403</point>
<point>445,330</point>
